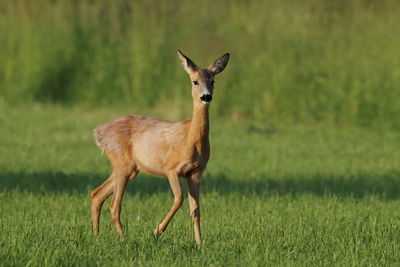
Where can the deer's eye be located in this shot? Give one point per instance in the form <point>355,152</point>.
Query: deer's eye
<point>195,82</point>
<point>212,82</point>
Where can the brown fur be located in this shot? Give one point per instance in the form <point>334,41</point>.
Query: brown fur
<point>170,149</point>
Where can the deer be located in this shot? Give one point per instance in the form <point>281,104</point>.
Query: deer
<point>135,143</point>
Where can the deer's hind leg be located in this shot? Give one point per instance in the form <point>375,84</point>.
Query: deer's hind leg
<point>122,172</point>
<point>98,196</point>
<point>122,175</point>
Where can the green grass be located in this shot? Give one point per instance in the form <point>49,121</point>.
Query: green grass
<point>270,196</point>
<point>303,62</point>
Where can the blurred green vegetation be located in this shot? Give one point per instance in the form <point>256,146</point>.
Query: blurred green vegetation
<point>302,62</point>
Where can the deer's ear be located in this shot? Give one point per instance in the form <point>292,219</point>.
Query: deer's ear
<point>187,63</point>
<point>219,64</point>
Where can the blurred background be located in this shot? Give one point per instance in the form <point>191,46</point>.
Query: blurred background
<point>306,62</point>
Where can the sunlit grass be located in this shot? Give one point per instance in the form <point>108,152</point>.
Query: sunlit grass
<point>302,196</point>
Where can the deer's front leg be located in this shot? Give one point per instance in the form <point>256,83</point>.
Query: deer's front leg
<point>194,204</point>
<point>178,200</point>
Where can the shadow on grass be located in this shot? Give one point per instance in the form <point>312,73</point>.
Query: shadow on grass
<point>386,186</point>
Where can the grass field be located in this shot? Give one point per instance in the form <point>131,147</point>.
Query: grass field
<point>269,196</point>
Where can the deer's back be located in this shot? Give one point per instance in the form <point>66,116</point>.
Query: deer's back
<point>129,130</point>
<point>148,141</point>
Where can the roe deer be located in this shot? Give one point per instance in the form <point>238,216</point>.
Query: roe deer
<point>171,149</point>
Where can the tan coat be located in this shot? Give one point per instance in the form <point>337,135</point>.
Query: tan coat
<point>136,143</point>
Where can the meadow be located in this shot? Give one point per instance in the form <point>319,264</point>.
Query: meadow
<point>303,196</point>
<point>305,130</point>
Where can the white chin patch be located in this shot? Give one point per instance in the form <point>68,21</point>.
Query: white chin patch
<point>205,102</point>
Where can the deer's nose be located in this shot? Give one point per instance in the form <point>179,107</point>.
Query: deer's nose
<point>206,98</point>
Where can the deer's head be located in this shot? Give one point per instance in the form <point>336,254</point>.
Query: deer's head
<point>203,79</point>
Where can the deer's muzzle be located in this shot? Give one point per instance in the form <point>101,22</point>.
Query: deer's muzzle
<point>206,98</point>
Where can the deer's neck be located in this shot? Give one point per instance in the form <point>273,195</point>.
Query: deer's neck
<point>199,127</point>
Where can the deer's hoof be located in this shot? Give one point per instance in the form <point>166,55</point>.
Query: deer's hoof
<point>157,231</point>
